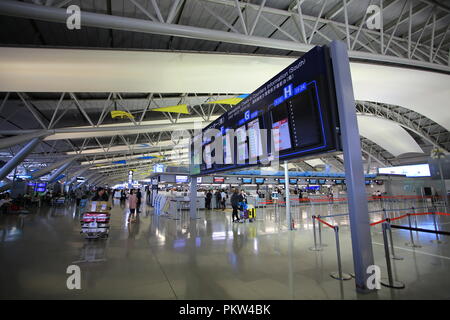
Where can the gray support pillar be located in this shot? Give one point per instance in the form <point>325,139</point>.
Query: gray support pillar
<point>354,170</point>
<point>97,180</point>
<point>288,198</point>
<point>6,186</point>
<point>369,163</point>
<point>46,170</point>
<point>89,176</point>
<point>193,193</point>
<point>21,138</point>
<point>58,171</point>
<point>77,174</point>
<point>19,157</point>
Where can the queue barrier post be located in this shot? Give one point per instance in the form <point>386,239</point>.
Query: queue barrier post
<point>339,275</point>
<point>415,217</point>
<point>320,234</point>
<point>390,281</point>
<point>393,256</point>
<point>412,244</point>
<point>315,248</point>
<point>438,241</point>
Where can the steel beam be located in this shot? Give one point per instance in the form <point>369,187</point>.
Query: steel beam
<point>21,138</point>
<point>19,157</point>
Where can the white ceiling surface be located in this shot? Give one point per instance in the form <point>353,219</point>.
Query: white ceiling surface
<point>315,162</point>
<point>67,70</point>
<point>388,135</point>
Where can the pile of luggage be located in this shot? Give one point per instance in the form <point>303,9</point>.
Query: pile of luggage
<point>248,212</point>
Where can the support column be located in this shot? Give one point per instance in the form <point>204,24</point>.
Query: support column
<point>46,170</point>
<point>86,179</point>
<point>19,157</point>
<point>354,170</point>
<point>78,173</point>
<point>288,198</point>
<point>369,163</point>
<point>58,171</point>
<point>193,203</point>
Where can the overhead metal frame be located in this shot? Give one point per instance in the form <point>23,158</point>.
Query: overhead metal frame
<point>401,49</point>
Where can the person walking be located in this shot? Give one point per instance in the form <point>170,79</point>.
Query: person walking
<point>223,197</point>
<point>235,199</point>
<point>139,199</point>
<point>132,203</point>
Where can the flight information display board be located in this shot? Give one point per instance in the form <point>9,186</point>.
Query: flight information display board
<point>297,109</point>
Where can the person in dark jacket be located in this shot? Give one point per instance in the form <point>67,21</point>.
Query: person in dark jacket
<point>208,200</point>
<point>100,195</point>
<point>218,199</point>
<point>139,199</point>
<point>235,199</point>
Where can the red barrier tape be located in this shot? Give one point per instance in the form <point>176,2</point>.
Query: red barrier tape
<point>411,214</point>
<point>326,223</point>
<point>378,222</point>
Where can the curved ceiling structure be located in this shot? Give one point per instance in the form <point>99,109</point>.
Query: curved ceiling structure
<point>382,132</point>
<point>61,70</point>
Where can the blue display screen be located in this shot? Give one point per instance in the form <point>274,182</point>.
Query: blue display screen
<point>259,180</point>
<point>246,180</point>
<point>313,181</point>
<point>297,110</point>
<point>293,181</point>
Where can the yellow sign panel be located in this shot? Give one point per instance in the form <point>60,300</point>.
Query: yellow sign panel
<point>232,101</point>
<point>181,108</point>
<point>121,114</point>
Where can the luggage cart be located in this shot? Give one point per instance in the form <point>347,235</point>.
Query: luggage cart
<point>95,225</point>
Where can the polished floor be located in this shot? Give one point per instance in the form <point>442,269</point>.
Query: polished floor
<point>208,258</point>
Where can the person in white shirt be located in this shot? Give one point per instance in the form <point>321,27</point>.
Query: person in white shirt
<point>223,197</point>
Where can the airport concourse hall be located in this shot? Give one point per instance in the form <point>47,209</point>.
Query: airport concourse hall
<point>232,154</point>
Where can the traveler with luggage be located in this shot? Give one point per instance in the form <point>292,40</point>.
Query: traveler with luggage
<point>235,199</point>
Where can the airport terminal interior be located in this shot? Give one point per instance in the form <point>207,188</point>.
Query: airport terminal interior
<point>225,149</point>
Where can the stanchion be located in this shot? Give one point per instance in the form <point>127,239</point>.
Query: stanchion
<point>320,234</point>
<point>393,256</point>
<point>412,244</point>
<point>415,217</point>
<point>438,241</point>
<point>339,275</point>
<point>390,281</point>
<point>315,248</point>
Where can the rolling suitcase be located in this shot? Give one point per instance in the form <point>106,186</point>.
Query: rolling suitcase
<point>251,211</point>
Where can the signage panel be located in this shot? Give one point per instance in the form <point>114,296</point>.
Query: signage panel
<point>292,115</point>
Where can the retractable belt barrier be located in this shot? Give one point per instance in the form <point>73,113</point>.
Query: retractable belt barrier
<point>387,238</point>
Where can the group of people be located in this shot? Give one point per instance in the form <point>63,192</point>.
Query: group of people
<point>237,198</point>
<point>220,196</point>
